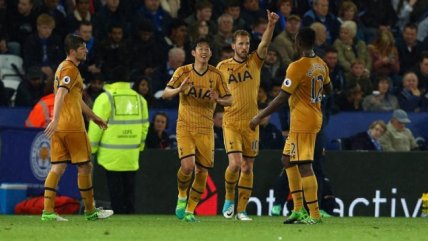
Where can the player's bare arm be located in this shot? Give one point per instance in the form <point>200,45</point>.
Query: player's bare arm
<point>92,116</point>
<point>59,99</point>
<point>272,107</point>
<point>267,35</point>
<point>170,92</point>
<point>224,101</point>
<point>328,89</point>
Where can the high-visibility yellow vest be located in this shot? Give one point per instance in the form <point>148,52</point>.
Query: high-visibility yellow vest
<point>118,147</point>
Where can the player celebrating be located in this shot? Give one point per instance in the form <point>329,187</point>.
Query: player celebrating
<point>200,87</point>
<point>303,88</point>
<point>242,73</point>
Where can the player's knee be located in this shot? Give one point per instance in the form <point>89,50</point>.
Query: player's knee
<point>306,169</point>
<point>187,167</point>
<point>85,168</point>
<point>59,168</point>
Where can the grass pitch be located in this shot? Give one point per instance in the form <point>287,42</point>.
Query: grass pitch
<point>165,227</point>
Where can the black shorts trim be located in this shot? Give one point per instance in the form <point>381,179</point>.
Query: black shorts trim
<point>81,163</point>
<point>248,188</point>
<point>60,162</point>
<point>199,164</point>
<point>186,156</point>
<point>230,183</point>
<point>230,152</point>
<point>254,157</point>
<point>297,162</point>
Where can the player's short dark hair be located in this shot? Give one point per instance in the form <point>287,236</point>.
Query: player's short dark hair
<point>306,37</point>
<point>200,40</point>
<point>72,42</point>
<point>240,32</point>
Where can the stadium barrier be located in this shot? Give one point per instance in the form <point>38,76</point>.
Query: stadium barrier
<point>365,183</point>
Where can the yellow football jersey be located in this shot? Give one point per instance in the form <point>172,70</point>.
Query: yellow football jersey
<point>68,76</point>
<point>243,80</point>
<point>196,109</point>
<point>304,80</point>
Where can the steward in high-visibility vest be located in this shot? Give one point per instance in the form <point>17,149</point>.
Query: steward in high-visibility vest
<point>41,113</point>
<point>118,147</point>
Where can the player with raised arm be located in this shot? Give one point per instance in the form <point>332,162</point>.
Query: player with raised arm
<point>242,74</point>
<point>306,80</point>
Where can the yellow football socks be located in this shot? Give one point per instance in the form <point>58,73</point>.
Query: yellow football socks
<point>295,184</point>
<point>84,182</point>
<point>51,184</point>
<point>245,187</point>
<point>196,191</point>
<point>310,188</point>
<point>183,182</point>
<point>231,178</point>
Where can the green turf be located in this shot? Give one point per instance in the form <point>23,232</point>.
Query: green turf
<point>164,227</point>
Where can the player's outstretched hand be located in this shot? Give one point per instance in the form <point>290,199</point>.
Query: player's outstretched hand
<point>100,122</point>
<point>184,83</point>
<point>254,123</point>
<point>51,128</point>
<point>214,95</point>
<point>272,17</point>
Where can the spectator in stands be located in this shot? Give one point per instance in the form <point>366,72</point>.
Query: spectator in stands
<point>272,69</point>
<point>162,74</point>
<point>403,10</point>
<point>234,9</point>
<point>157,137</point>
<point>89,67</point>
<point>262,96</point>
<point>31,89</point>
<point>423,29</point>
<point>348,12</point>
<point>80,13</point>
<point>251,12</point>
<point>199,29</point>
<point>142,85</point>
<point>4,96</point>
<point>320,38</point>
<point>409,48</point>
<point>44,48</point>
<point>270,136</point>
<point>50,7</point>
<point>21,22</point>
<point>349,48</point>
<point>359,75</point>
<point>112,51</point>
<point>145,50</point>
<point>384,54</point>
<point>337,75</point>
<point>369,140</point>
<point>218,127</point>
<point>284,42</point>
<point>381,100</point>
<point>4,49</point>
<point>320,13</point>
<point>223,36</point>
<point>177,37</point>
<point>42,112</point>
<point>398,137</point>
<point>257,30</point>
<point>350,99</point>
<point>93,90</point>
<point>152,11</point>
<point>410,96</point>
<point>203,12</point>
<point>113,12</point>
<point>283,9</point>
<point>421,71</point>
<point>171,7</point>
<point>375,16</point>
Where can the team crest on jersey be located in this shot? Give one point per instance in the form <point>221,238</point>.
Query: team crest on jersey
<point>287,82</point>
<point>40,156</point>
<point>66,80</point>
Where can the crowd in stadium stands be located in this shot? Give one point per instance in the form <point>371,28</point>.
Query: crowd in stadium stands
<point>377,51</point>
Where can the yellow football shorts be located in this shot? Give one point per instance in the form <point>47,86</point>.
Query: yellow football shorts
<point>198,144</point>
<point>300,147</point>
